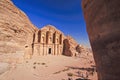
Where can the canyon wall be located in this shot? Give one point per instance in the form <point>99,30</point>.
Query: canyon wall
<point>16,31</point>
<point>103,26</point>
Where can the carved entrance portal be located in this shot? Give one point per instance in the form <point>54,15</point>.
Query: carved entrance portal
<point>49,51</point>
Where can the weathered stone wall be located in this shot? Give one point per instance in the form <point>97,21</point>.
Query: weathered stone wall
<point>103,27</point>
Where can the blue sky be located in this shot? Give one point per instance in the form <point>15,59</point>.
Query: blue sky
<point>66,15</point>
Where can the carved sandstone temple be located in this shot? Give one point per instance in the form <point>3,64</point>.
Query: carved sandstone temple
<point>48,40</point>
<point>51,41</point>
<point>19,36</point>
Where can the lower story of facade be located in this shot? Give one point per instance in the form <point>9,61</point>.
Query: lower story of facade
<point>47,49</point>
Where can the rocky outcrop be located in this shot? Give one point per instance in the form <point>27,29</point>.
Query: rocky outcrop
<point>16,31</point>
<point>103,27</point>
<point>85,52</point>
<point>66,48</point>
<point>69,48</point>
<point>79,48</point>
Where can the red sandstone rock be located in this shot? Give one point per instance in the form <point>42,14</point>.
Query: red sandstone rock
<point>103,27</point>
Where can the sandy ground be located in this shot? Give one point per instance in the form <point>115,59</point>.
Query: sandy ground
<point>52,68</point>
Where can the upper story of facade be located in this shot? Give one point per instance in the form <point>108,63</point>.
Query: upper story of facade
<point>48,35</point>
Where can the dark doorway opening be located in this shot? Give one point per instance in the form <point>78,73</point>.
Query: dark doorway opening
<point>49,51</point>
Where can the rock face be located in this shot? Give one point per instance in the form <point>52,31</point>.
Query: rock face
<point>103,26</point>
<point>69,48</point>
<point>4,67</point>
<point>16,31</point>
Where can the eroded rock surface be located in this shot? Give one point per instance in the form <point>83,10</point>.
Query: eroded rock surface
<point>4,67</point>
<point>103,26</point>
<point>16,31</point>
<point>69,48</point>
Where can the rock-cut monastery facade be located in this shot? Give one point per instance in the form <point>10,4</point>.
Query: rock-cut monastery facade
<point>48,40</point>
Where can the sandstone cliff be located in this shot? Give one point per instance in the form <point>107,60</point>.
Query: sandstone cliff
<point>70,45</point>
<point>72,48</point>
<point>103,26</point>
<point>16,31</point>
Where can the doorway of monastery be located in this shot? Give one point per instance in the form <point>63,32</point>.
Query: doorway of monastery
<point>49,51</point>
